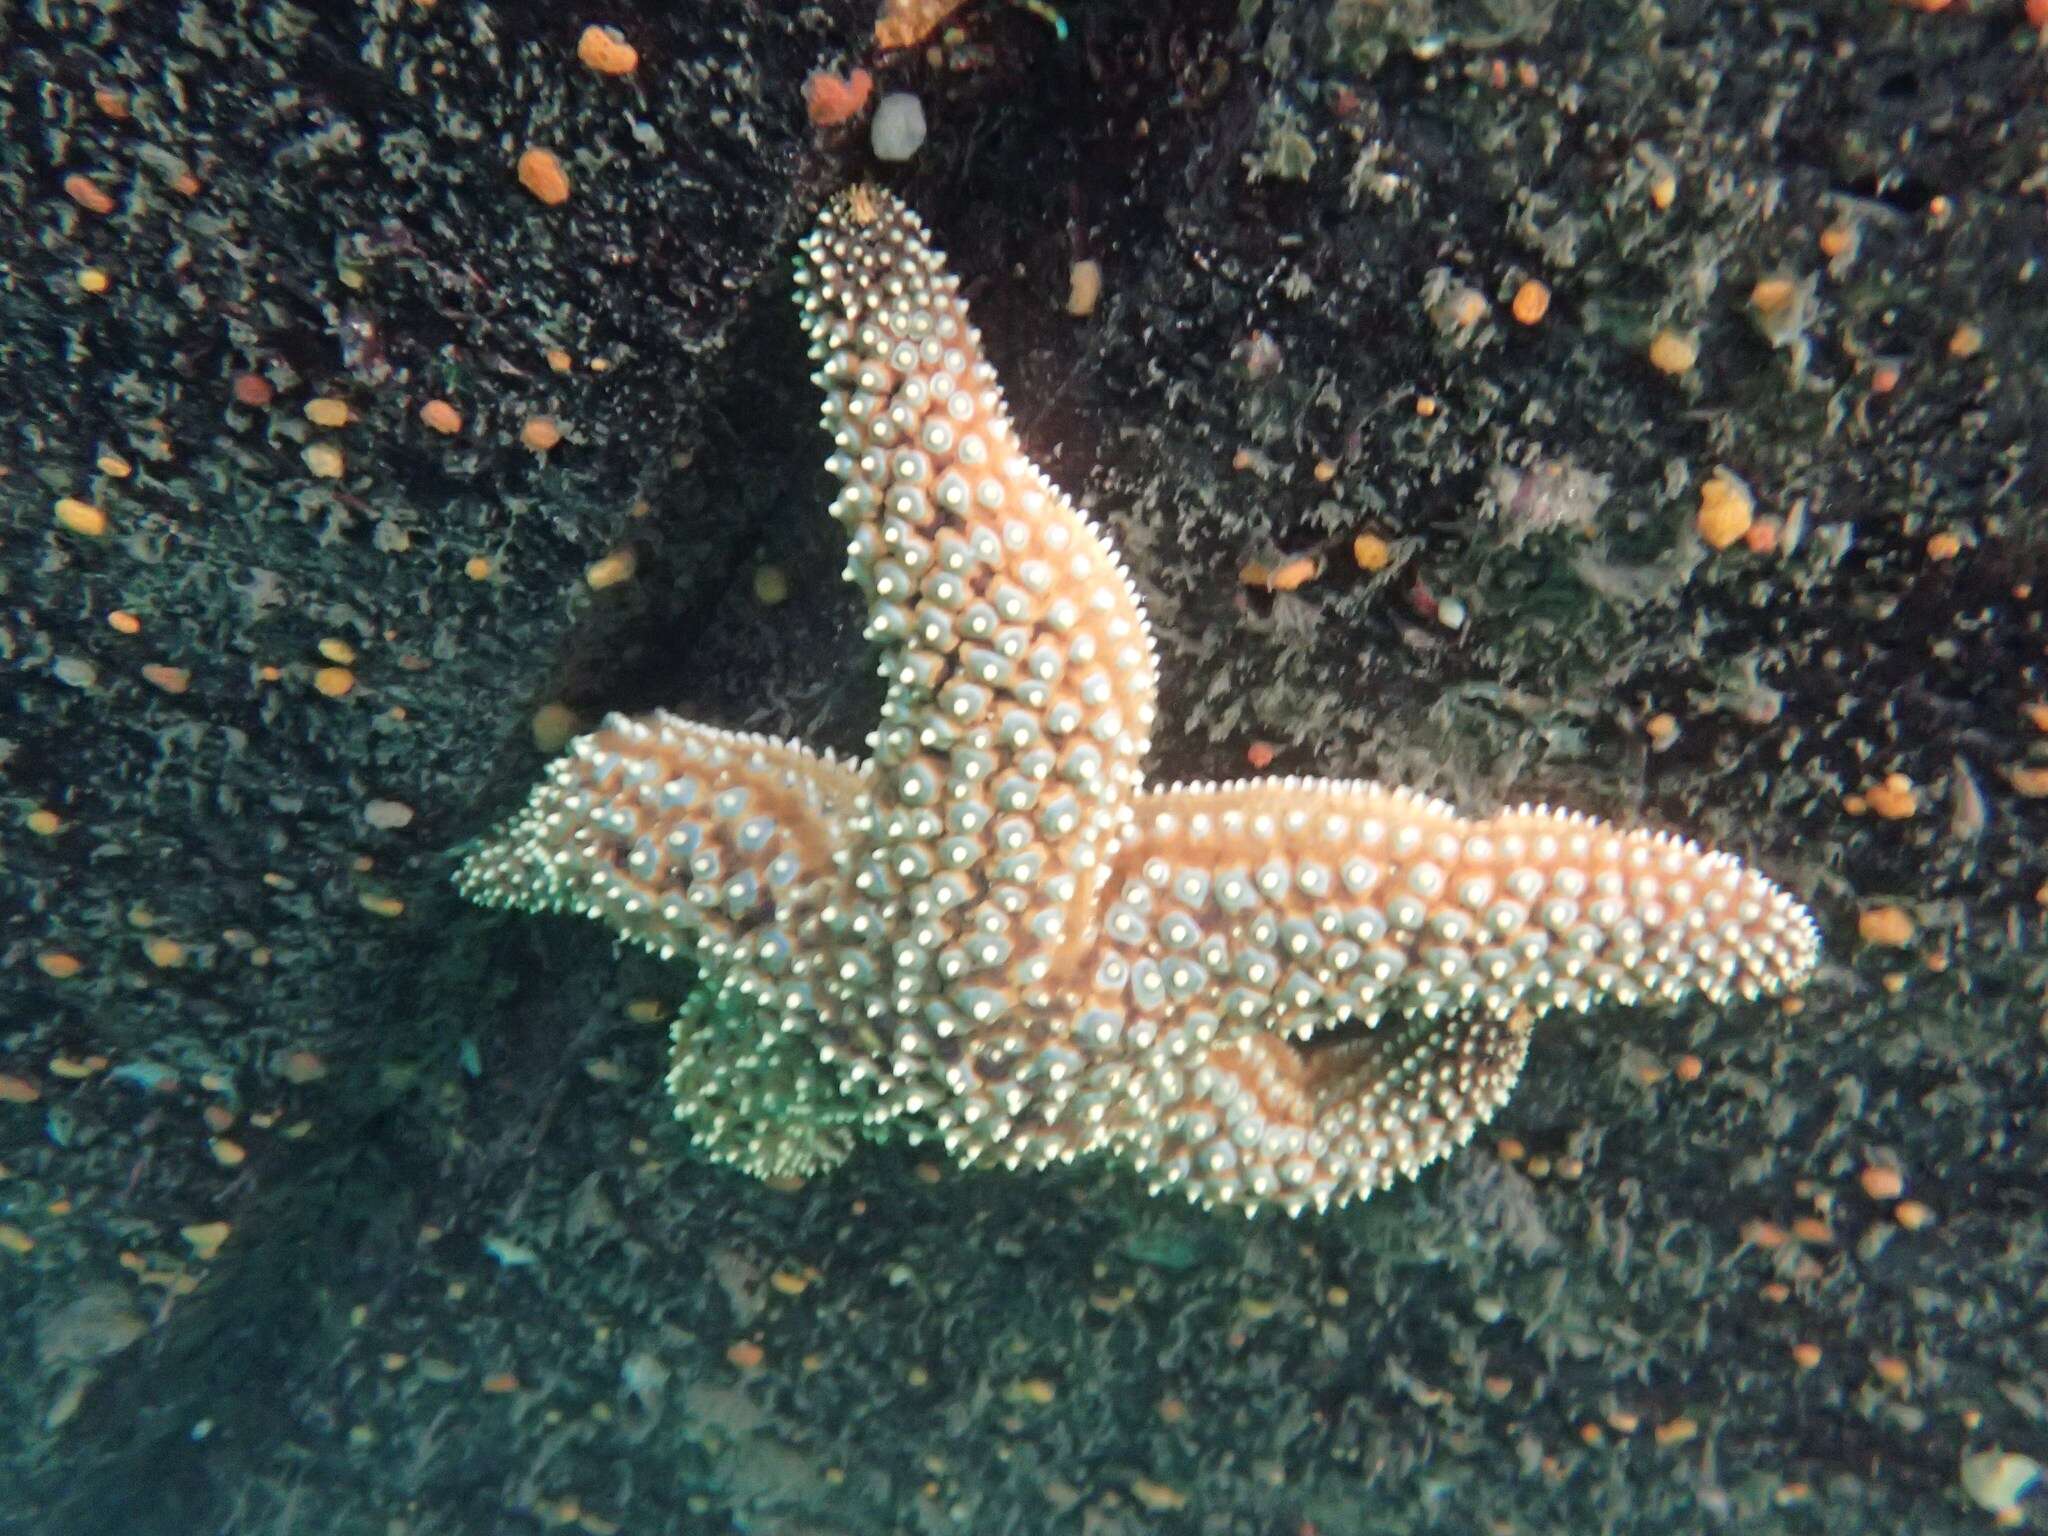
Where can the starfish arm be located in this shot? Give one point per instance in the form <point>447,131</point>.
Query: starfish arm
<point>1305,988</point>
<point>689,840</point>
<point>1020,667</point>
<point>1253,1119</point>
<point>1370,898</point>
<point>759,1100</point>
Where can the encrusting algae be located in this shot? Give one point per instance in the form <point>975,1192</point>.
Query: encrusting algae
<point>1288,992</point>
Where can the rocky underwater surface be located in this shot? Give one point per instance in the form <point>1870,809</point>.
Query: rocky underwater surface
<point>1632,408</point>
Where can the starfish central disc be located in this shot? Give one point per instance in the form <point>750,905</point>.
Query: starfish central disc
<point>1285,992</point>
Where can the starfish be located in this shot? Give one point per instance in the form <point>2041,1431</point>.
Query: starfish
<point>992,930</point>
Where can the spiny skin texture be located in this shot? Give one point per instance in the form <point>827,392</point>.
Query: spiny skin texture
<point>1284,992</point>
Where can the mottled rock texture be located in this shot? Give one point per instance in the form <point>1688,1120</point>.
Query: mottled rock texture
<point>472,1278</point>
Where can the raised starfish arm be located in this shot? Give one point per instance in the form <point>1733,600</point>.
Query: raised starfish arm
<point>1328,984</point>
<point>1021,674</point>
<point>1254,1119</point>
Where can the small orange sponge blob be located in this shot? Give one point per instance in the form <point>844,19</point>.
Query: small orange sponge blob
<point>442,417</point>
<point>831,100</point>
<point>1726,509</point>
<point>606,50</point>
<point>542,175</point>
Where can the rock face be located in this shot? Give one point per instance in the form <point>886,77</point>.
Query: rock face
<point>272,1089</point>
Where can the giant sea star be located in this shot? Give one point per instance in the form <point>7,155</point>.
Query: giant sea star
<point>1275,992</point>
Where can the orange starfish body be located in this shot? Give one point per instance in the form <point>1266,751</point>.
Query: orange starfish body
<point>1283,992</point>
